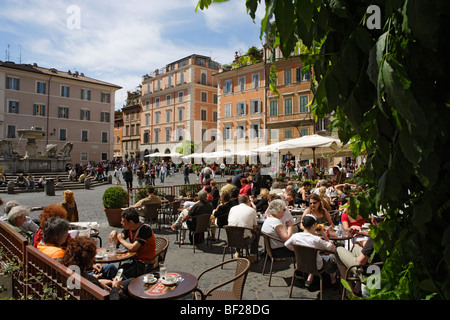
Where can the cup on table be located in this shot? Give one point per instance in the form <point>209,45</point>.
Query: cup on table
<point>112,248</point>
<point>162,270</point>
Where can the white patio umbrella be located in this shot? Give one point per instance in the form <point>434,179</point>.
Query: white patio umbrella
<point>155,155</point>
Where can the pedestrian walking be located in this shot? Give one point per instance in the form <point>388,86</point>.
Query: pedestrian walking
<point>186,173</point>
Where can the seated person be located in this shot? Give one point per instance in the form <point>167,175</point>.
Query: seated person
<point>135,237</point>
<point>151,198</point>
<point>180,223</point>
<point>220,214</point>
<point>82,177</point>
<point>29,226</point>
<point>261,204</point>
<point>351,224</point>
<point>81,252</point>
<point>309,239</point>
<point>54,235</point>
<point>3,180</point>
<point>21,182</point>
<point>275,227</point>
<point>361,254</point>
<point>17,216</point>
<point>53,210</point>
<point>203,206</point>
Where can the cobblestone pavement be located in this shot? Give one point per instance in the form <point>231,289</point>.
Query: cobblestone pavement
<point>182,258</point>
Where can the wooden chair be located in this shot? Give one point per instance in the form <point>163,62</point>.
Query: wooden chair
<point>269,254</point>
<point>351,276</point>
<point>238,280</point>
<point>235,239</point>
<point>162,244</point>
<point>151,213</point>
<point>201,226</point>
<point>173,212</point>
<point>306,261</point>
<point>169,197</point>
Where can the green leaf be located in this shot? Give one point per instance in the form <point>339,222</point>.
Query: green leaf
<point>305,12</point>
<point>285,21</point>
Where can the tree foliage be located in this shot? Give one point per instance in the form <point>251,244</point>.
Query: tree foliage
<point>388,89</point>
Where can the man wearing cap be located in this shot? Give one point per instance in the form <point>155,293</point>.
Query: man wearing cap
<point>322,242</point>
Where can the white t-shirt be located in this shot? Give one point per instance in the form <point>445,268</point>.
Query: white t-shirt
<point>268,227</point>
<point>309,240</point>
<point>242,216</point>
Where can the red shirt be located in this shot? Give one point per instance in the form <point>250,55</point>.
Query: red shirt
<point>245,189</point>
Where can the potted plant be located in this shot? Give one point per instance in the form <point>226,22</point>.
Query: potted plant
<point>114,199</point>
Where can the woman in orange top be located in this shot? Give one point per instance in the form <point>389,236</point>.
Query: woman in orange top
<point>54,234</point>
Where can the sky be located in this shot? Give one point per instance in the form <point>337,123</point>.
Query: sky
<point>119,41</point>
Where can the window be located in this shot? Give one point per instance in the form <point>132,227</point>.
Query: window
<point>304,104</point>
<point>105,97</point>
<point>287,76</point>
<point>118,139</point>
<point>204,97</point>
<point>273,135</point>
<point>302,77</point>
<point>167,134</point>
<point>204,138</point>
<point>214,116</point>
<point>241,83</point>
<point>254,131</point>
<point>215,98</point>
<point>104,136</point>
<point>62,134</point>
<point>169,81</point>
<point>41,87</point>
<point>157,117</point>
<point>104,116</point>
<point>156,135</point>
<point>240,132</point>
<point>288,134</point>
<point>63,112</point>
<point>255,80</point>
<point>13,106</point>
<point>147,119</point>
<point>180,96</point>
<point>226,133</point>
<point>288,106</point>
<point>203,78</point>
<point>304,132</point>
<point>157,102</point>
<point>146,136</point>
<point>213,134</point>
<point>84,135</point>
<point>158,84</point>
<point>65,91</point>
<point>273,108</point>
<point>180,133</point>
<point>181,77</point>
<point>168,115</point>
<point>228,110</point>
<point>228,86</point>
<point>12,83</point>
<point>85,94</point>
<point>167,99</point>
<point>84,156</point>
<point>240,108</point>
<point>203,115</point>
<point>11,131</point>
<point>255,106</point>
<point>39,109</point>
<point>147,104</point>
<point>180,114</point>
<point>85,114</point>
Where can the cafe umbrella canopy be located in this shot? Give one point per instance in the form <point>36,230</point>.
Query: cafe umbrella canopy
<point>308,146</point>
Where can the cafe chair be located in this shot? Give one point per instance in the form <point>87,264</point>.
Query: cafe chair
<point>269,253</point>
<point>306,262</point>
<point>162,244</point>
<point>357,274</point>
<point>238,282</point>
<point>151,213</point>
<point>201,226</point>
<point>174,212</point>
<point>235,239</point>
<point>169,197</point>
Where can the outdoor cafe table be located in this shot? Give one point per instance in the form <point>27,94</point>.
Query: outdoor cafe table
<point>158,291</point>
<point>117,257</point>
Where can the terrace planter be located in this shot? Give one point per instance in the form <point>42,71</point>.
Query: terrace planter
<point>114,217</point>
<point>114,199</point>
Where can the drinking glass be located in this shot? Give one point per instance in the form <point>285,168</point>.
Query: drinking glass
<point>162,270</point>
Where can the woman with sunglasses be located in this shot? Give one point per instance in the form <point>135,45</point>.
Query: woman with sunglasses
<point>318,211</point>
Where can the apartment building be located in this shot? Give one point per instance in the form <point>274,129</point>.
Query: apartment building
<point>242,107</point>
<point>118,135</point>
<point>67,106</point>
<point>131,137</point>
<point>179,102</point>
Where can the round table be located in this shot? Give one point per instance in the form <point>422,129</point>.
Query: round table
<point>158,291</point>
<point>118,257</point>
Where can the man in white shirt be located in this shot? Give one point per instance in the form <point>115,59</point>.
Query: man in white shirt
<point>322,242</point>
<point>243,215</point>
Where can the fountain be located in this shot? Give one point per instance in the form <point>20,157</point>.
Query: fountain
<point>50,161</point>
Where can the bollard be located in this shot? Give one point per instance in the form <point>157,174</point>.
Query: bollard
<point>50,186</point>
<point>109,179</point>
<point>87,183</point>
<point>10,187</point>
